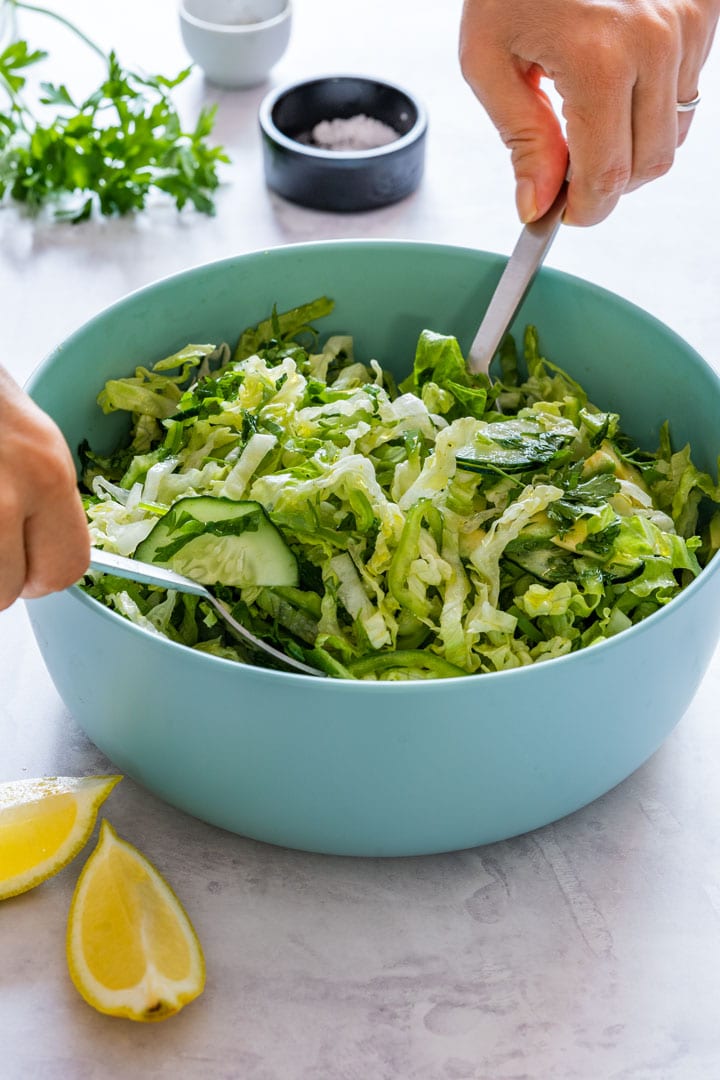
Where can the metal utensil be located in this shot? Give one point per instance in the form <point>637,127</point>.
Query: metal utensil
<point>148,574</point>
<point>530,250</point>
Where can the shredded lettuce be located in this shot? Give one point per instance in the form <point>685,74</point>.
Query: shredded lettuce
<point>444,527</point>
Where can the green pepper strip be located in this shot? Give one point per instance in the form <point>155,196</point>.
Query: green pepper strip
<point>362,510</point>
<point>407,551</point>
<point>309,602</point>
<point>405,658</point>
<point>327,663</point>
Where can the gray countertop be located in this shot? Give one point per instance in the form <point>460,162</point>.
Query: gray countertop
<point>588,949</point>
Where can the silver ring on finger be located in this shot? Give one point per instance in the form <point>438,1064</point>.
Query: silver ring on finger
<point>688,106</point>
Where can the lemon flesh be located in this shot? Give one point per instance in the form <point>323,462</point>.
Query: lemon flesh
<point>43,825</point>
<point>131,948</point>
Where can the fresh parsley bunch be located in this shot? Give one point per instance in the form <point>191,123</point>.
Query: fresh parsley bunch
<point>108,152</point>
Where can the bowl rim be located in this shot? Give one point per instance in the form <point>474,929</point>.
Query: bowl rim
<point>234,29</point>
<point>272,131</point>
<point>76,594</point>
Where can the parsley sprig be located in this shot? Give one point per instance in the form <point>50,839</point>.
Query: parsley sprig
<point>107,152</point>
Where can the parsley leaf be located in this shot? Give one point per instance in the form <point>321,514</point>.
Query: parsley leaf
<point>105,154</point>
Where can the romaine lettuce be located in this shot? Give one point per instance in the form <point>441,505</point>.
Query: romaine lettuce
<point>445,527</point>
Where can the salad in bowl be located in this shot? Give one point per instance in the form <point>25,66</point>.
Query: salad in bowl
<point>433,527</point>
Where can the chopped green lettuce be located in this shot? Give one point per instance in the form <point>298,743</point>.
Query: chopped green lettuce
<point>441,528</point>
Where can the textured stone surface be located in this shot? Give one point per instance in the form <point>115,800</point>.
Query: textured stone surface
<point>587,950</point>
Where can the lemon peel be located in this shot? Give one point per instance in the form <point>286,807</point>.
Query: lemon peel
<point>131,948</point>
<point>44,823</point>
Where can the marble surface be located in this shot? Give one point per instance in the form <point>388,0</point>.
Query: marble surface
<point>589,949</point>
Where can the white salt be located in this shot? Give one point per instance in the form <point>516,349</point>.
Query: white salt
<point>359,132</point>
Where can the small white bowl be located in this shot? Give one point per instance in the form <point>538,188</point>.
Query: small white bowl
<point>8,22</point>
<point>235,42</point>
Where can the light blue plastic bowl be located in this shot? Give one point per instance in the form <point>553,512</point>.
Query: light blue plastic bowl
<point>382,768</point>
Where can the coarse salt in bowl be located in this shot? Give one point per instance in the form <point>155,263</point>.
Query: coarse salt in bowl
<point>343,142</point>
<point>358,132</point>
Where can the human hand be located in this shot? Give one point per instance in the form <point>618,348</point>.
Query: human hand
<point>44,539</point>
<point>620,66</point>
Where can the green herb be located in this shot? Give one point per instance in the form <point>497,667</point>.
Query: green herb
<point>106,153</point>
<point>582,499</point>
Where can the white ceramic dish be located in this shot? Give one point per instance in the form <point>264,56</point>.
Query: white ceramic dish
<point>235,42</point>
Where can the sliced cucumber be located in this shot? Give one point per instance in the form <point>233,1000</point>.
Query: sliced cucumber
<point>543,560</point>
<point>512,446</point>
<point>550,563</point>
<point>222,541</point>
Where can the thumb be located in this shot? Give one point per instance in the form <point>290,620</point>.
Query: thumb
<point>529,127</point>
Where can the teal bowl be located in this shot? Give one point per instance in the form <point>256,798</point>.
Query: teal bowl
<point>381,768</point>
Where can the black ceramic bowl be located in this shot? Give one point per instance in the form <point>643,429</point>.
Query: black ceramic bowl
<point>343,180</point>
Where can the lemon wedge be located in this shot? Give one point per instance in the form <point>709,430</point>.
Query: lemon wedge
<point>43,825</point>
<point>131,949</point>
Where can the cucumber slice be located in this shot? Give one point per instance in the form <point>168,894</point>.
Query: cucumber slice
<point>552,564</point>
<point>224,541</point>
<point>512,446</point>
<point>544,561</point>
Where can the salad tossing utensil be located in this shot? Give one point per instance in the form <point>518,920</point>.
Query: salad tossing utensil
<point>532,247</point>
<point>108,563</point>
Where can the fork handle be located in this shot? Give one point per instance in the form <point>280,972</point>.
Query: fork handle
<point>532,247</point>
<point>147,574</point>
